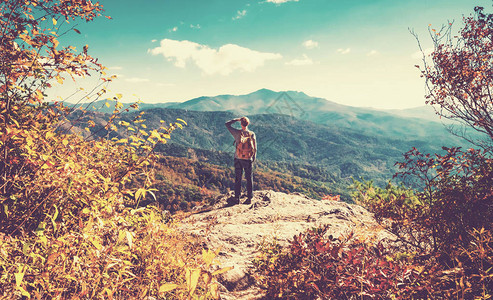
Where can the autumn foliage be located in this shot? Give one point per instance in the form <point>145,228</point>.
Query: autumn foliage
<point>70,222</point>
<point>443,226</point>
<point>459,73</point>
<point>444,246</point>
<point>318,266</point>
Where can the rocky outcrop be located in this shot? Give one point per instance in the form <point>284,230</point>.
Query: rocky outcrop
<point>238,230</point>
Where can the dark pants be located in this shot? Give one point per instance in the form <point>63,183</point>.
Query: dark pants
<point>240,165</point>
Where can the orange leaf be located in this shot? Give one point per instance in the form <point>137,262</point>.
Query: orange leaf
<point>52,257</point>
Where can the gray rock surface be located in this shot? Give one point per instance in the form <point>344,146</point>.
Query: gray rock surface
<point>237,230</point>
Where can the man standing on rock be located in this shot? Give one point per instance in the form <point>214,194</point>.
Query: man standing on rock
<point>245,154</point>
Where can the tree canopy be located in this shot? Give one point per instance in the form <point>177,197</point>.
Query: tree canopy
<point>459,74</point>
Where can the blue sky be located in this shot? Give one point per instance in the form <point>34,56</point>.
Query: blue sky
<point>357,52</point>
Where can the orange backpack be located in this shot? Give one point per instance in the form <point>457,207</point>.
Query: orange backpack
<point>244,149</point>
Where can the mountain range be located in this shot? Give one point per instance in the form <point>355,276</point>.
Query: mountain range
<point>297,133</point>
<point>420,122</point>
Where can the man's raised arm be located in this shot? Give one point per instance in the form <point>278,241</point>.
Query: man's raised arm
<point>230,128</point>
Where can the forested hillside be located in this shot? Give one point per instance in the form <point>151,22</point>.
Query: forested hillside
<point>182,183</point>
<point>317,153</point>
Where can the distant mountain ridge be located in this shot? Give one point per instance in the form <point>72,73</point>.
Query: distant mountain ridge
<point>413,123</point>
<point>419,123</point>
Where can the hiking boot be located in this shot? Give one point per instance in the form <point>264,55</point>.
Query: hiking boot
<point>248,201</point>
<point>232,201</point>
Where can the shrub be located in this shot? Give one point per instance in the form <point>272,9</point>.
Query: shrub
<point>66,228</point>
<point>456,195</point>
<point>315,266</point>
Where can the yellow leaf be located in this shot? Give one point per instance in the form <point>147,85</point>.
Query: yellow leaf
<point>39,95</point>
<point>208,256</point>
<point>107,104</point>
<point>18,278</point>
<point>155,134</point>
<point>167,287</point>
<point>44,240</point>
<point>207,278</point>
<point>144,292</point>
<point>140,193</point>
<point>24,292</point>
<point>65,142</point>
<point>129,238</point>
<point>178,119</point>
<point>96,244</point>
<point>193,276</point>
<point>215,291</point>
<point>54,21</point>
<point>17,123</point>
<point>223,270</point>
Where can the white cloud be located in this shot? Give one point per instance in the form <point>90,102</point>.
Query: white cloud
<point>240,14</point>
<point>419,54</point>
<point>136,79</point>
<point>280,1</point>
<point>310,44</point>
<point>165,84</point>
<point>344,51</point>
<point>372,53</point>
<point>305,61</point>
<point>195,26</point>
<point>174,29</point>
<point>226,59</point>
<point>153,41</point>
<point>115,68</point>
